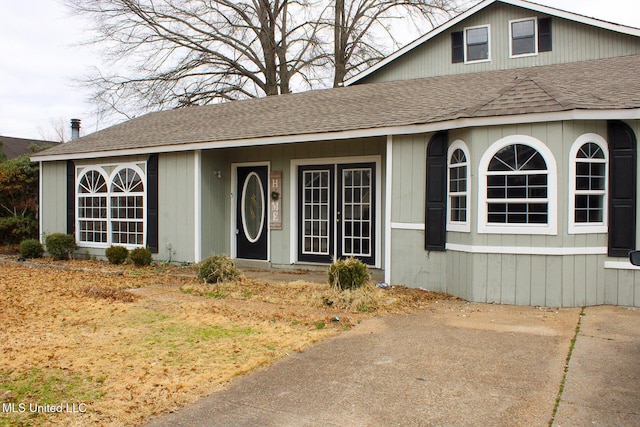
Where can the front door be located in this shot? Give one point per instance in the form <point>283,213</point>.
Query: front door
<point>336,212</point>
<point>252,212</point>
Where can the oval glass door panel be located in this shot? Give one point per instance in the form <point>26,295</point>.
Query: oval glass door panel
<point>252,211</point>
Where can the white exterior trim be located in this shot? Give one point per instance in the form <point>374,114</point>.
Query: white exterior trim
<point>197,229</point>
<point>624,29</point>
<point>622,114</point>
<point>464,38</point>
<point>527,250</point>
<point>620,265</point>
<point>551,228</point>
<point>293,226</point>
<point>387,210</point>
<point>584,228</point>
<point>535,37</point>
<point>80,171</point>
<point>40,210</point>
<point>407,226</point>
<point>461,226</point>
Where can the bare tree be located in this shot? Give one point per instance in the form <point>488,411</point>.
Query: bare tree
<point>176,53</point>
<point>191,52</point>
<point>356,23</point>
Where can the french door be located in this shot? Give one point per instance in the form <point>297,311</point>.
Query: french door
<point>336,212</point>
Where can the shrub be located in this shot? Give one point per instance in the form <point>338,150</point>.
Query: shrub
<point>348,273</point>
<point>141,257</point>
<point>217,268</point>
<point>60,245</point>
<point>31,248</point>
<point>13,230</point>
<point>117,254</point>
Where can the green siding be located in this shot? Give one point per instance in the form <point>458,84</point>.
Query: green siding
<point>545,280</point>
<point>176,204</point>
<point>572,41</point>
<point>53,198</point>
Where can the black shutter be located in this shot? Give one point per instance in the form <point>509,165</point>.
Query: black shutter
<point>622,189</point>
<point>457,47</point>
<point>152,203</point>
<point>544,35</point>
<point>436,195</point>
<point>71,197</point>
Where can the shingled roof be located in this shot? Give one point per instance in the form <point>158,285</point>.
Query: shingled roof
<point>16,147</point>
<point>606,84</point>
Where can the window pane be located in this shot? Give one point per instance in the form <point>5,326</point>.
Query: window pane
<point>523,46</point>
<point>477,35</point>
<point>523,29</point>
<point>477,52</point>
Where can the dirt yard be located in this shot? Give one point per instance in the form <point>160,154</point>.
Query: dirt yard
<point>87,343</point>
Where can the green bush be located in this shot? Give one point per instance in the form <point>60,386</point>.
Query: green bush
<point>117,254</point>
<point>141,257</point>
<point>60,245</point>
<point>348,273</point>
<point>217,268</point>
<point>14,230</point>
<point>31,248</point>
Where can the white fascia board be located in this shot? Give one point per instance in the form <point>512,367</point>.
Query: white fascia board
<point>627,114</point>
<point>624,29</point>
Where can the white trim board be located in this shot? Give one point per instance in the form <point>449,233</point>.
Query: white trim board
<point>620,265</point>
<point>527,250</point>
<point>618,114</point>
<point>478,7</point>
<point>387,210</point>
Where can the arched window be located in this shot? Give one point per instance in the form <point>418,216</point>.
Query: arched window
<point>458,188</point>
<point>111,210</point>
<point>517,187</point>
<point>92,207</point>
<point>127,207</point>
<point>588,169</point>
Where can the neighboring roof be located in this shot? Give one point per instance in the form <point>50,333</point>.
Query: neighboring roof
<point>577,90</point>
<point>482,5</point>
<point>16,147</point>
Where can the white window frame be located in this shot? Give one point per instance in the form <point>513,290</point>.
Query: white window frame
<point>535,38</point>
<point>80,195</point>
<point>588,227</point>
<point>461,226</point>
<point>102,169</point>
<point>112,194</point>
<point>464,35</point>
<point>551,227</point>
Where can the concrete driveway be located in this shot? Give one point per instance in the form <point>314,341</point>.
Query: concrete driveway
<point>455,364</point>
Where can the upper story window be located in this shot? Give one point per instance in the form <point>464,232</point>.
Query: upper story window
<point>471,45</point>
<point>523,35</point>
<point>517,188</point>
<point>588,185</point>
<point>477,44</point>
<point>458,189</point>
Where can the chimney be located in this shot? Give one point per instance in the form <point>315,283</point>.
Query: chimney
<point>75,129</point>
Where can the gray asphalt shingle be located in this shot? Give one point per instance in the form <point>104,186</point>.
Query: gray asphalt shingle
<point>590,85</point>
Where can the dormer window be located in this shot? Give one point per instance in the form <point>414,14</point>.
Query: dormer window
<point>523,35</point>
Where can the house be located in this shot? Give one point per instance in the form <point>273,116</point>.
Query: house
<point>494,159</point>
<point>16,147</point>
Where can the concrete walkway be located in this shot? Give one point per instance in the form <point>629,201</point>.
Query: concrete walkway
<point>460,364</point>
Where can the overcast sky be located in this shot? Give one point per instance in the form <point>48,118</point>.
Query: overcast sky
<point>38,62</point>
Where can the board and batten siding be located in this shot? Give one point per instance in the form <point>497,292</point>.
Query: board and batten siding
<point>475,269</point>
<point>53,198</point>
<point>572,41</point>
<point>176,206</point>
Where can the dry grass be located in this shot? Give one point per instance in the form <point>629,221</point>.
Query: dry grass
<point>130,343</point>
